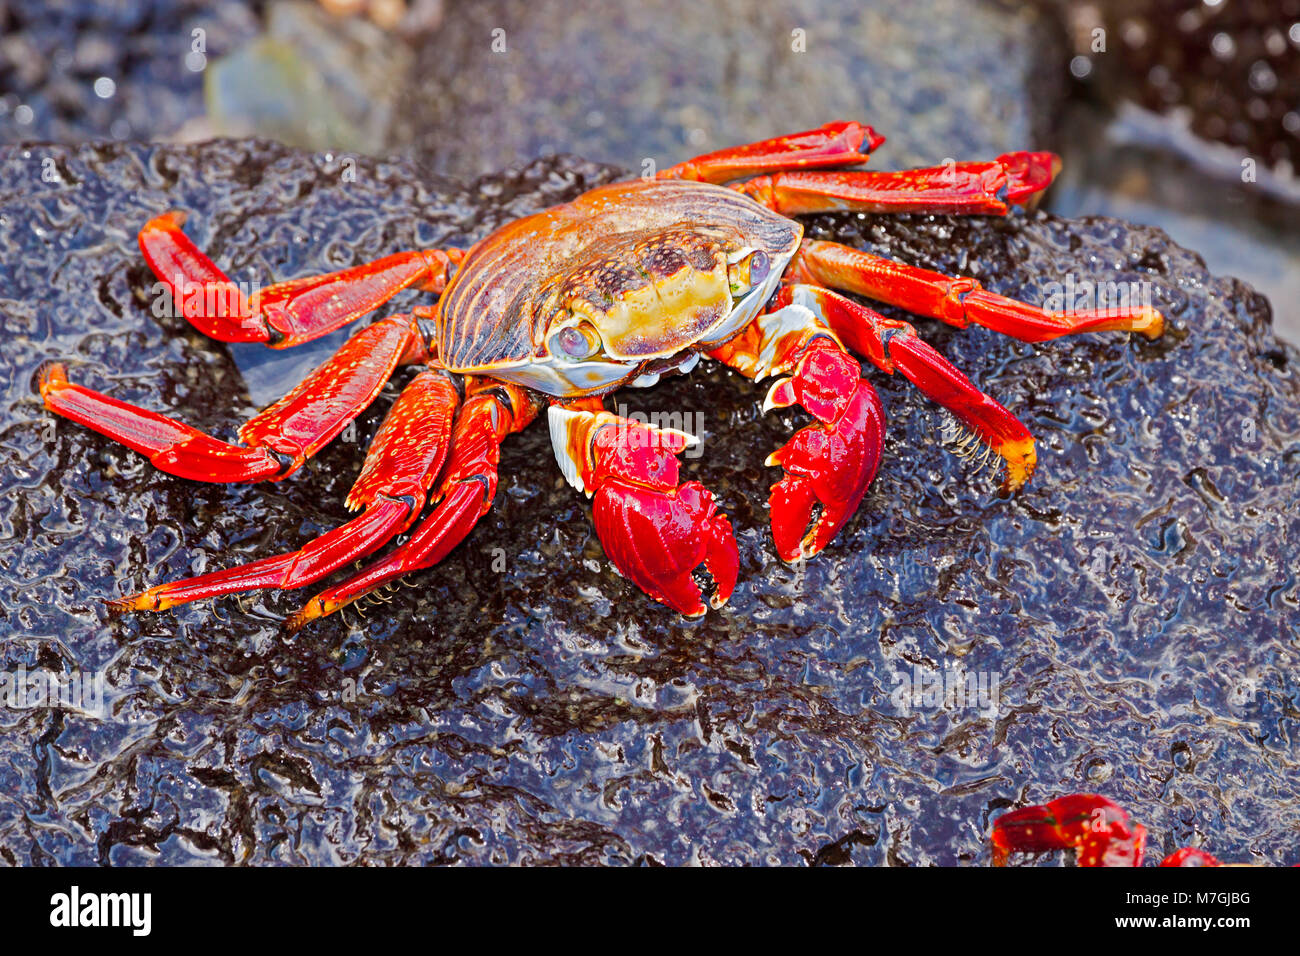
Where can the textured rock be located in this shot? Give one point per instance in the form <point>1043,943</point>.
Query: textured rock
<point>1137,603</point>
<point>504,81</point>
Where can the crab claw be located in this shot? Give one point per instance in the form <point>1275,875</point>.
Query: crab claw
<point>1097,829</point>
<point>829,465</point>
<point>654,531</point>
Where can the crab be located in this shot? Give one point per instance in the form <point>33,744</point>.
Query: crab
<point>1095,827</point>
<point>553,312</point>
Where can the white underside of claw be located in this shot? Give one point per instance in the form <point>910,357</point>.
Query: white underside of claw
<point>776,326</point>
<point>561,421</point>
<point>774,398</point>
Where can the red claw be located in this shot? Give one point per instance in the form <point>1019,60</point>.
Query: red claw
<point>654,531</point>
<point>1097,829</point>
<point>830,464</point>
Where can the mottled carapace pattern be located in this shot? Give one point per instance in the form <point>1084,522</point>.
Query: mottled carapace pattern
<point>494,310</point>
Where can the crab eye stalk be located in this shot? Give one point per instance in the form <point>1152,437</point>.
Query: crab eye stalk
<point>749,272</point>
<point>574,342</point>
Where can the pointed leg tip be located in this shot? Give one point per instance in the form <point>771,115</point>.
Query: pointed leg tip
<point>871,140</point>
<point>1021,460</point>
<point>311,611</point>
<point>51,376</point>
<point>1030,174</point>
<point>170,221</point>
<point>119,607</point>
<point>1150,324</point>
<point>151,600</point>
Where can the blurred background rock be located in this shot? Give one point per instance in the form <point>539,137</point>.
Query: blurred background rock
<point>1186,114</point>
<point>1178,113</point>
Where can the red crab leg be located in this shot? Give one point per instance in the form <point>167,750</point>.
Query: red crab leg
<point>828,465</point>
<point>656,531</point>
<point>491,411</point>
<point>1097,829</point>
<point>835,144</point>
<point>404,459</point>
<point>957,301</point>
<point>892,346</point>
<point>972,187</point>
<point>286,313</point>
<point>278,440</point>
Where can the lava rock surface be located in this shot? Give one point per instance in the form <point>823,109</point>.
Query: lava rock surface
<point>1137,603</point>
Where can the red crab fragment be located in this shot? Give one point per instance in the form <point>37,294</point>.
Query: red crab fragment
<point>559,309</point>
<point>1096,828</point>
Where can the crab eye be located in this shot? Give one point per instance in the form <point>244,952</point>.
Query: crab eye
<point>574,342</point>
<point>749,272</point>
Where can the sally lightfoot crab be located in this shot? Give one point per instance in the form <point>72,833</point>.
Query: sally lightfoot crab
<point>553,312</point>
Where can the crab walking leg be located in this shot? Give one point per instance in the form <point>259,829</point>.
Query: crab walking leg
<point>971,188</point>
<point>1097,829</point>
<point>828,465</point>
<point>286,313</point>
<point>957,301</point>
<point>656,531</point>
<point>276,442</point>
<point>491,411</point>
<point>893,346</point>
<point>404,459</point>
<point>835,144</point>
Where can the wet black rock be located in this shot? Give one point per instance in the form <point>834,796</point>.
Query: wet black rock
<point>1136,604</point>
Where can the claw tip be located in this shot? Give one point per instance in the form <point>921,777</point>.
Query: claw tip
<point>780,395</point>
